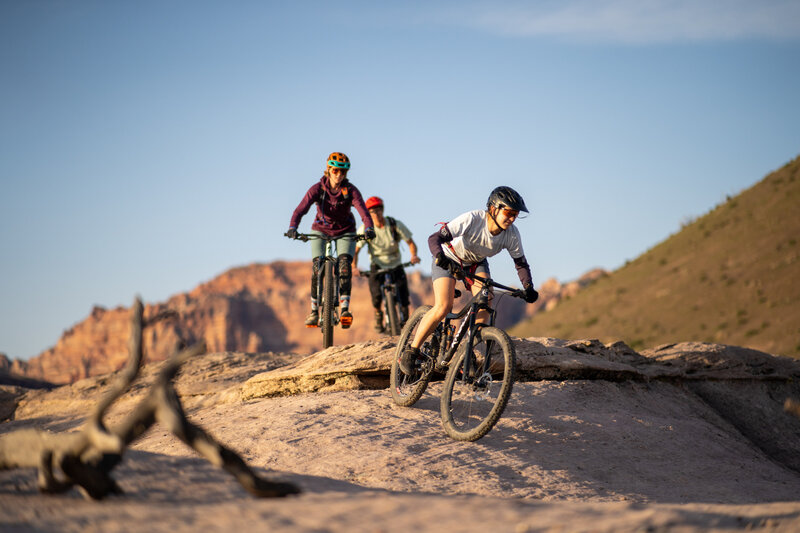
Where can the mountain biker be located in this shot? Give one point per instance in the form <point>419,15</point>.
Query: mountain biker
<point>384,253</point>
<point>335,196</point>
<point>466,242</point>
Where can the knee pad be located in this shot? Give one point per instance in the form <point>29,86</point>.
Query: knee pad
<point>316,265</point>
<point>345,274</point>
<point>345,265</point>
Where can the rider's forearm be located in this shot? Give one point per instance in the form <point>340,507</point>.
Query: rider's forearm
<point>305,204</point>
<point>412,247</point>
<point>523,271</point>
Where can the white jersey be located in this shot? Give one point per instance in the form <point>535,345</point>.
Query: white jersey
<point>472,242</point>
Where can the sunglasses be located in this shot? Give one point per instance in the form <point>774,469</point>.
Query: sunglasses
<point>509,213</point>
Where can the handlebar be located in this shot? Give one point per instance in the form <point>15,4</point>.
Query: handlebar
<point>517,293</point>
<point>366,273</point>
<point>305,237</point>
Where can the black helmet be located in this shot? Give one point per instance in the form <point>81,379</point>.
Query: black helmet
<point>506,196</point>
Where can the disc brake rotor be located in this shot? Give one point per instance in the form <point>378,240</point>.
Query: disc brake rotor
<point>482,387</point>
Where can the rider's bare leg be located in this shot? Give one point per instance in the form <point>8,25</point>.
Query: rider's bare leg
<point>483,314</point>
<point>443,293</point>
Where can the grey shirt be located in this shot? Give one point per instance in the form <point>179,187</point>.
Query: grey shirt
<point>472,242</point>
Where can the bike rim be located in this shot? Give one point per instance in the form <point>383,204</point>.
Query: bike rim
<point>473,400</point>
<point>406,387</point>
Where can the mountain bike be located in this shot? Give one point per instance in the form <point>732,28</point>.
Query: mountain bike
<point>327,285</point>
<point>393,316</point>
<point>478,360</point>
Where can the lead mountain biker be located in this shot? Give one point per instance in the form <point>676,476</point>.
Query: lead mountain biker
<point>465,243</point>
<point>384,253</point>
<point>335,196</point>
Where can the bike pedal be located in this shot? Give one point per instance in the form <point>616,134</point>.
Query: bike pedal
<point>346,321</point>
<point>312,325</point>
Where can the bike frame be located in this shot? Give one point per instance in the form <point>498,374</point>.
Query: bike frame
<point>328,257</point>
<point>468,327</point>
<point>390,285</point>
<point>482,383</point>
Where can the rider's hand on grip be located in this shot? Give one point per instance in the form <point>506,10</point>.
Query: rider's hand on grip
<point>530,294</point>
<point>369,233</point>
<point>442,261</point>
<point>292,233</point>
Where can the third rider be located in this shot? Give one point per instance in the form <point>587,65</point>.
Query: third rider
<point>384,252</point>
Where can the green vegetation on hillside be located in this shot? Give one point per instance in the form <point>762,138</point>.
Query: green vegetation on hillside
<point>731,277</point>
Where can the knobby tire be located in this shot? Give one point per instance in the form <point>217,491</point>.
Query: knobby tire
<point>328,304</point>
<point>391,310</point>
<point>470,408</point>
<point>406,390</point>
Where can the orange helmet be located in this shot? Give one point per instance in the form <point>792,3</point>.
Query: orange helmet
<point>374,201</point>
<point>338,160</point>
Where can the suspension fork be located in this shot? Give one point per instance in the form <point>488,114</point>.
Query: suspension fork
<point>392,280</point>
<point>472,330</point>
<point>335,268</point>
<point>328,257</point>
<point>386,287</point>
<point>487,360</point>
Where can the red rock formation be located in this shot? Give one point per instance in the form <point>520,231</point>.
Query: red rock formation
<point>253,308</point>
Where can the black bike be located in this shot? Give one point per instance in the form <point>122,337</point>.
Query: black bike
<point>393,316</point>
<point>478,359</point>
<point>327,285</point>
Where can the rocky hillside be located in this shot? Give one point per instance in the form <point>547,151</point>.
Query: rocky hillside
<point>254,308</point>
<point>731,276</point>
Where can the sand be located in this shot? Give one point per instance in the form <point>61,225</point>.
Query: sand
<point>567,455</point>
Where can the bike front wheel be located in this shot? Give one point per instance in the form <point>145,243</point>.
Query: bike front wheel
<point>328,304</point>
<point>406,390</point>
<point>391,312</point>
<point>473,402</point>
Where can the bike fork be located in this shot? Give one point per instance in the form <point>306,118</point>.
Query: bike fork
<point>321,290</point>
<point>468,353</point>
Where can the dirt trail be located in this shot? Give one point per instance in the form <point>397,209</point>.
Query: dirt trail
<point>568,455</point>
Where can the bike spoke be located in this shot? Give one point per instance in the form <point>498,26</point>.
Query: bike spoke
<point>405,389</point>
<point>475,395</point>
<point>472,403</point>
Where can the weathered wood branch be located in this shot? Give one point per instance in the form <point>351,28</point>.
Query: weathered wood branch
<point>792,406</point>
<point>86,458</point>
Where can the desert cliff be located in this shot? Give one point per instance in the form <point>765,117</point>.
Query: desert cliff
<point>254,308</point>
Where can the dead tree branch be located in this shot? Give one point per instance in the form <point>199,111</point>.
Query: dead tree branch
<point>86,458</point>
<point>792,406</point>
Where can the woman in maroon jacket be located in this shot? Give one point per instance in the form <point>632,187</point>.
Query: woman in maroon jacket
<point>335,196</point>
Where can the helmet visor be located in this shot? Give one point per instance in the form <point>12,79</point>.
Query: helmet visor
<point>339,164</point>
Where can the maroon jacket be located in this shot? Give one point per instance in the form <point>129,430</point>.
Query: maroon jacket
<point>334,217</point>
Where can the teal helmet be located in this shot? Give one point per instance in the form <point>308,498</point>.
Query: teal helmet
<point>339,160</point>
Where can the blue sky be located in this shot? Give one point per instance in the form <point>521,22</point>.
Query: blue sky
<point>148,146</point>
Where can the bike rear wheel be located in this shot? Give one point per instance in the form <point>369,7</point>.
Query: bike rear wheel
<point>406,390</point>
<point>328,304</point>
<point>471,406</point>
<point>391,312</point>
